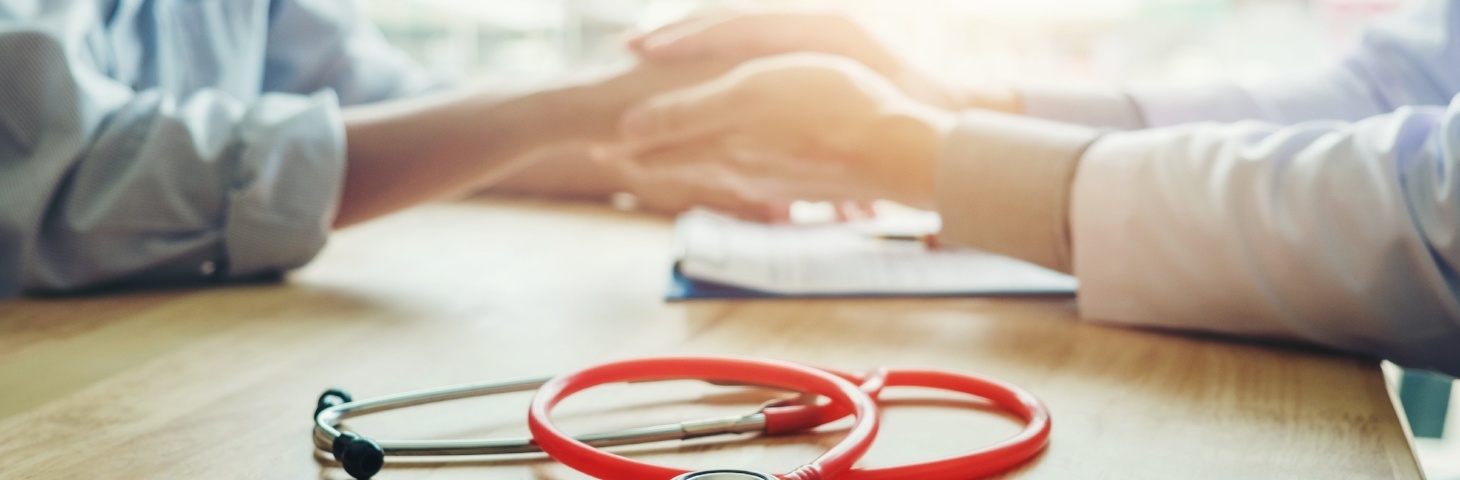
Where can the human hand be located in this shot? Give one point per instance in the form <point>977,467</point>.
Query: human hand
<point>569,172</point>
<point>738,37</point>
<point>794,127</point>
<point>587,113</point>
<point>674,189</point>
<point>589,109</point>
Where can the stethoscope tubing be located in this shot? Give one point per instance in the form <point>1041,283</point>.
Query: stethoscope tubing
<point>779,417</point>
<point>327,420</point>
<point>600,464</point>
<point>982,462</point>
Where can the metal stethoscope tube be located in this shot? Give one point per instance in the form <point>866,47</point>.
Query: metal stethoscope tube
<point>335,406</point>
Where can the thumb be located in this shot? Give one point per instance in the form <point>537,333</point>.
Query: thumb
<point>638,42</point>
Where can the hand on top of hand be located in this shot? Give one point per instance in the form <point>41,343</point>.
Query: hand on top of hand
<point>851,123</point>
<point>794,127</point>
<point>739,37</point>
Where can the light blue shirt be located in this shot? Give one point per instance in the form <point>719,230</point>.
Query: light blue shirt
<point>176,140</point>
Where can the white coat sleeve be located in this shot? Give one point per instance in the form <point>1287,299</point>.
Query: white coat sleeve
<point>1340,234</point>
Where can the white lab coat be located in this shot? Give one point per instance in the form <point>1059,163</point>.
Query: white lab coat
<point>1321,209</point>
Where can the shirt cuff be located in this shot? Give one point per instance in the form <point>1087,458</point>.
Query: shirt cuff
<point>1003,185</point>
<point>286,187</point>
<point>1103,108</point>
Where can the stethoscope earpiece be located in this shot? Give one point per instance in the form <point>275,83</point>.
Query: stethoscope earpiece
<point>330,398</point>
<point>361,457</point>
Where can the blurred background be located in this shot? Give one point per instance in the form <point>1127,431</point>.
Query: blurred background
<point>1086,41</point>
<point>1092,42</point>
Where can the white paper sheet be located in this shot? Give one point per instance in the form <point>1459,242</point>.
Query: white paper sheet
<point>847,259</point>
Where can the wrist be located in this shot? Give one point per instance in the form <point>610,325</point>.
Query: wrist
<point>576,113</point>
<point>567,110</point>
<point>561,115</point>
<point>566,171</point>
<point>909,142</point>
<point>1005,100</point>
<point>1003,185</point>
<point>590,111</point>
<point>948,96</point>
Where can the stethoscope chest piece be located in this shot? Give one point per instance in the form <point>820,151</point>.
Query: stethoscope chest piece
<point>724,475</point>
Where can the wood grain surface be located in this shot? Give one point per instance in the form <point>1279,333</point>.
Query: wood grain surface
<point>220,382</point>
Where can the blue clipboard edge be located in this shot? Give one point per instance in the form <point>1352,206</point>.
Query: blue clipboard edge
<point>682,289</point>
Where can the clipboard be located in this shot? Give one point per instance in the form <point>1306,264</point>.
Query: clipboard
<point>723,258</point>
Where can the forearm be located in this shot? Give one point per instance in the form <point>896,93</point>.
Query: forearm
<point>566,172</point>
<point>1002,184</point>
<point>409,151</point>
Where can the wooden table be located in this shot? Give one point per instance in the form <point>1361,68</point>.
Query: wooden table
<point>219,383</point>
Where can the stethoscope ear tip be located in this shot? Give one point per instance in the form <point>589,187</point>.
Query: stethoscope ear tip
<point>330,398</point>
<point>361,457</point>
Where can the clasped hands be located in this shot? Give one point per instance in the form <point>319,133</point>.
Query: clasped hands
<point>817,109</point>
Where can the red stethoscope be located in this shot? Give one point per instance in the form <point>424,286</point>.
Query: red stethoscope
<point>847,394</point>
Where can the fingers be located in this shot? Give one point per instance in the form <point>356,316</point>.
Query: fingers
<point>748,160</point>
<point>663,153</point>
<point>768,175</point>
<point>755,185</point>
<point>788,177</point>
<point>690,38</point>
<point>731,202</point>
<point>853,210</point>
<point>695,21</point>
<point>673,190</point>
<point>782,96</point>
<point>696,111</point>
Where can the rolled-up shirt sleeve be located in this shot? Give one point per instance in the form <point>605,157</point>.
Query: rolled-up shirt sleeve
<point>285,185</point>
<point>101,184</point>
